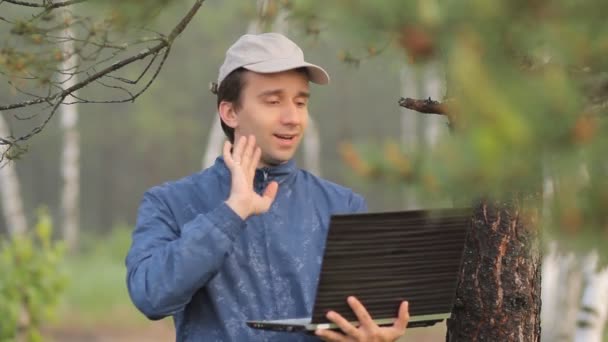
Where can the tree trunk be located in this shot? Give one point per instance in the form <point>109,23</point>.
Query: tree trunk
<point>561,289</point>
<point>593,311</point>
<point>498,295</point>
<point>409,125</point>
<point>312,148</point>
<point>10,192</point>
<point>214,143</point>
<point>70,170</point>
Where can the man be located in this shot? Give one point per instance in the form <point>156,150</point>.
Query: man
<point>244,238</point>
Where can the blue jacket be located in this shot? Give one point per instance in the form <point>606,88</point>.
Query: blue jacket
<point>193,258</point>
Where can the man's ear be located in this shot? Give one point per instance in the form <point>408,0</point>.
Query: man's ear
<point>228,114</point>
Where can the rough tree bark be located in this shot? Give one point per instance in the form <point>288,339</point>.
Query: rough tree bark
<point>499,291</point>
<point>498,296</point>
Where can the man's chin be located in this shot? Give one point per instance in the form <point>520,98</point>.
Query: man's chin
<point>274,160</point>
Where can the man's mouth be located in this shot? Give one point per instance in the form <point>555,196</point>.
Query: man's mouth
<point>285,136</point>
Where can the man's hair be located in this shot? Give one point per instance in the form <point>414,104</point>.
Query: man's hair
<point>230,91</point>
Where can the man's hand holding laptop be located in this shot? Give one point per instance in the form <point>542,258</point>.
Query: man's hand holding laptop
<point>367,330</point>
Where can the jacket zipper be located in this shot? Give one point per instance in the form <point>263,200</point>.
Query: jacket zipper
<point>262,184</point>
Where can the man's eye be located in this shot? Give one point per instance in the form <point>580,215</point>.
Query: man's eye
<point>272,102</point>
<point>301,104</point>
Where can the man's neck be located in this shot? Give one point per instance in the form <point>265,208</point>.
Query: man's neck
<point>267,164</point>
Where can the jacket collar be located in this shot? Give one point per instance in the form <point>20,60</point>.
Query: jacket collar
<point>279,173</point>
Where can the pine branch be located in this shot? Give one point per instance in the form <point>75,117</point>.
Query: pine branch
<point>57,97</point>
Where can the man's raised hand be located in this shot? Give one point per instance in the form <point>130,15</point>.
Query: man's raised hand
<point>242,163</point>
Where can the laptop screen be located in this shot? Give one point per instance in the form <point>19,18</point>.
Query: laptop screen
<point>385,258</point>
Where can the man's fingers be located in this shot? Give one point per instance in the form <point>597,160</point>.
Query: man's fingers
<point>404,316</point>
<point>269,195</point>
<point>331,336</point>
<point>271,190</point>
<point>359,310</point>
<point>255,160</point>
<point>343,324</point>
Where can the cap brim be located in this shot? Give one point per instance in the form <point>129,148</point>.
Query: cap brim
<point>316,73</point>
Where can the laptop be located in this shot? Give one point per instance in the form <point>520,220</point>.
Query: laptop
<point>384,259</point>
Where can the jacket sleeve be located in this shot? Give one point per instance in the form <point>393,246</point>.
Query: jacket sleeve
<point>357,203</point>
<point>167,264</point>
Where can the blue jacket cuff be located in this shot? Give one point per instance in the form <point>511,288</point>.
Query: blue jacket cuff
<point>226,220</point>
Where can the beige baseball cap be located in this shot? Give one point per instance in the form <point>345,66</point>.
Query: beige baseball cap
<point>268,53</point>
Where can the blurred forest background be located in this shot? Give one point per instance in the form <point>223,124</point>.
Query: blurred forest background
<point>363,134</point>
<point>126,148</point>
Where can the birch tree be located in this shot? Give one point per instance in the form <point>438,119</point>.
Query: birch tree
<point>70,166</point>
<point>12,203</point>
<point>593,309</point>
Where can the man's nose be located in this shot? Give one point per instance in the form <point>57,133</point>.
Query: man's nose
<point>291,115</point>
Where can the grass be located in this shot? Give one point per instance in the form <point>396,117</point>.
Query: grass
<point>97,290</point>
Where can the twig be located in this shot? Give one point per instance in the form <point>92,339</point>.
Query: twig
<point>185,21</point>
<point>5,20</point>
<point>118,65</point>
<point>128,81</point>
<point>45,5</point>
<point>427,106</point>
<point>57,98</point>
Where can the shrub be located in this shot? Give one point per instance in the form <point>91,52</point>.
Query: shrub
<point>32,279</point>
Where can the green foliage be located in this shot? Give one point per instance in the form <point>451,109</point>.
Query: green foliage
<point>529,89</point>
<point>15,152</point>
<point>113,245</point>
<point>32,279</point>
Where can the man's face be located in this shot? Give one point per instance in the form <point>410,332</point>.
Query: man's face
<point>274,108</point>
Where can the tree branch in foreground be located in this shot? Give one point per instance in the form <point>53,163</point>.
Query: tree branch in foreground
<point>429,106</point>
<point>59,94</point>
<point>48,5</point>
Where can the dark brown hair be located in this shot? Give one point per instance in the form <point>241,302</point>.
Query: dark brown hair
<point>230,91</point>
